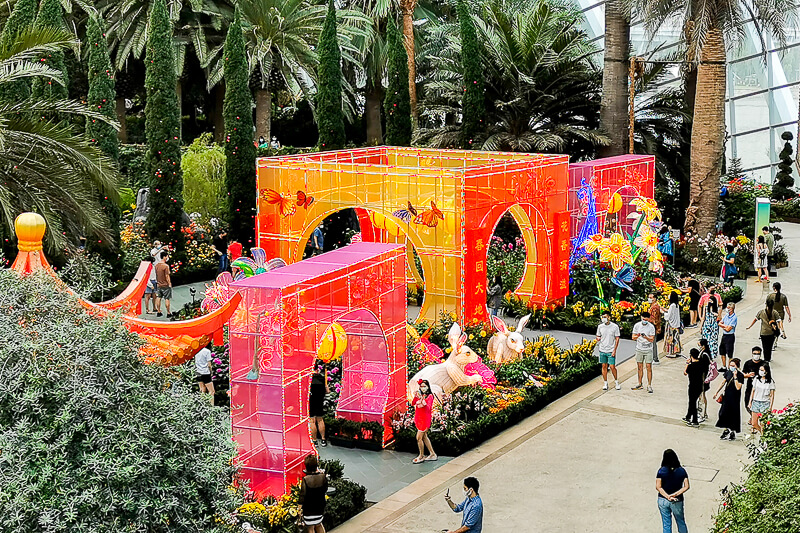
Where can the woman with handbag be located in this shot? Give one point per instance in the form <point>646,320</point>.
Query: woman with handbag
<point>770,326</point>
<point>672,333</point>
<point>711,373</point>
<point>313,488</point>
<point>760,258</point>
<point>730,412</point>
<point>729,269</point>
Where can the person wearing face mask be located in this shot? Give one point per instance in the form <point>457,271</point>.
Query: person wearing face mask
<point>607,343</point>
<point>423,413</point>
<point>763,396</point>
<point>472,507</point>
<point>730,416</point>
<point>750,370</point>
<point>655,318</point>
<point>672,336</point>
<point>695,371</point>
<point>709,311</point>
<point>727,323</point>
<point>644,333</point>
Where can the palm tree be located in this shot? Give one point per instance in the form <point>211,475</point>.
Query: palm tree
<point>44,166</point>
<point>281,36</point>
<point>407,8</point>
<point>712,25</point>
<point>614,102</point>
<point>542,89</point>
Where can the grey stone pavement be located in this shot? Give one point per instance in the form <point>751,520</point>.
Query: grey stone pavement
<point>181,295</point>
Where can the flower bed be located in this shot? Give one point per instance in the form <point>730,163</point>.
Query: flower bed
<point>767,500</point>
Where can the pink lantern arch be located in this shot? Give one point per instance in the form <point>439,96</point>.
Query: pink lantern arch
<point>274,338</point>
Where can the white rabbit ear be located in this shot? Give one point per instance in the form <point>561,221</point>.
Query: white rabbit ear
<point>453,334</point>
<point>461,340</point>
<point>499,325</point>
<point>522,322</point>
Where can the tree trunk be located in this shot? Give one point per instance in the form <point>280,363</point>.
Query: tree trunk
<point>408,7</point>
<point>263,113</point>
<point>372,112</point>
<point>614,102</point>
<point>218,116</point>
<point>708,137</point>
<point>123,128</point>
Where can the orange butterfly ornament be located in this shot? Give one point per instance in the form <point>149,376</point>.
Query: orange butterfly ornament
<point>286,206</point>
<point>430,217</point>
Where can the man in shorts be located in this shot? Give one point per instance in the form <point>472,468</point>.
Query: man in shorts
<point>727,323</point>
<point>644,333</point>
<point>202,368</point>
<point>163,283</point>
<point>607,343</point>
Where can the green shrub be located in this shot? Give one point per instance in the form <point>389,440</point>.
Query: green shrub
<point>133,165</point>
<point>333,467</point>
<point>348,500</point>
<point>203,166</point>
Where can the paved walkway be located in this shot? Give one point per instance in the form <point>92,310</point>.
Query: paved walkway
<point>587,462</point>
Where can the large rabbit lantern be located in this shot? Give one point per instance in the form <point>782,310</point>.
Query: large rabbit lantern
<point>506,345</point>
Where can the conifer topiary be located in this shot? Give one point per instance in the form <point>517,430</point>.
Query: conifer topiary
<point>397,102</point>
<point>330,118</point>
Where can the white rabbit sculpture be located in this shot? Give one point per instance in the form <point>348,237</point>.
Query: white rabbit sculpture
<point>448,376</point>
<point>506,345</point>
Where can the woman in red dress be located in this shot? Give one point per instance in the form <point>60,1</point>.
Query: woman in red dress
<point>423,411</point>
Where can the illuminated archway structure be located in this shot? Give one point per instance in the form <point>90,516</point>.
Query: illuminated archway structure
<point>471,190</point>
<point>274,338</point>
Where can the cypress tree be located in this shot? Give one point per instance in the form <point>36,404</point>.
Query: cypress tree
<point>102,96</point>
<point>782,188</point>
<point>51,16</point>
<point>472,107</point>
<point>397,103</point>
<point>330,119</point>
<point>21,18</point>
<point>162,129</point>
<point>240,152</point>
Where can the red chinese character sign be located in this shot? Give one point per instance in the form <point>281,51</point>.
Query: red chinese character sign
<point>285,318</point>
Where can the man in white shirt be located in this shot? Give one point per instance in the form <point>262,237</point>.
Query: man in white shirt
<point>607,343</point>
<point>644,333</point>
<point>202,367</point>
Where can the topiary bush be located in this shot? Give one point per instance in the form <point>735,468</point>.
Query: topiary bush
<point>782,189</point>
<point>92,439</point>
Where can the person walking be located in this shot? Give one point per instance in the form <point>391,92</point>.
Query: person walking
<point>770,325</point>
<point>727,323</point>
<point>317,240</point>
<point>496,295</point>
<point>316,405</point>
<point>769,240</point>
<point>695,370</point>
<point>202,368</point>
<point>729,269</point>
<point>472,507</point>
<point>672,482</point>
<point>750,369</point>
<point>313,488</point>
<point>730,414</point>
<point>760,261</point>
<point>781,305</point>
<point>672,335</point>
<point>655,318</point>
<point>163,283</point>
<point>608,336</point>
<point>423,414</point>
<point>763,397</point>
<point>709,315</point>
<point>644,333</point>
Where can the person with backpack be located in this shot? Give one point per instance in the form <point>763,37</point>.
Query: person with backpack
<point>672,482</point>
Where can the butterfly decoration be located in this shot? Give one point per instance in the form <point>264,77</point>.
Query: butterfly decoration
<point>406,214</point>
<point>304,200</point>
<point>285,205</point>
<point>623,277</point>
<point>430,217</point>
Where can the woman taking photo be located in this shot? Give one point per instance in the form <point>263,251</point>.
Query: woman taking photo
<point>671,482</point>
<point>672,334</point>
<point>763,397</point>
<point>313,488</point>
<point>730,413</point>
<point>423,413</point>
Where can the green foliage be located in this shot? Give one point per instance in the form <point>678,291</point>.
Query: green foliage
<point>162,126</point>
<point>769,497</point>
<point>133,165</point>
<point>240,153</point>
<point>87,275</point>
<point>91,438</point>
<point>782,189</point>
<point>22,17</point>
<point>333,468</point>
<point>348,500</point>
<point>51,16</point>
<point>397,102</point>
<point>330,119</point>
<point>738,205</point>
<point>203,166</point>
<point>353,430</point>
<point>472,105</point>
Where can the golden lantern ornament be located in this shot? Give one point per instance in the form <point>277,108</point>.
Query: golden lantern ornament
<point>615,203</point>
<point>333,343</point>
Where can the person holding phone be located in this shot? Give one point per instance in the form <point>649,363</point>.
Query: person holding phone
<point>472,507</point>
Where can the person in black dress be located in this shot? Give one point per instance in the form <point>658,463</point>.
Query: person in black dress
<point>316,410</point>
<point>693,289</point>
<point>730,413</point>
<point>707,361</point>
<point>313,488</point>
<point>695,370</point>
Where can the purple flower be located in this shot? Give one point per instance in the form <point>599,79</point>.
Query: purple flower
<point>217,361</point>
